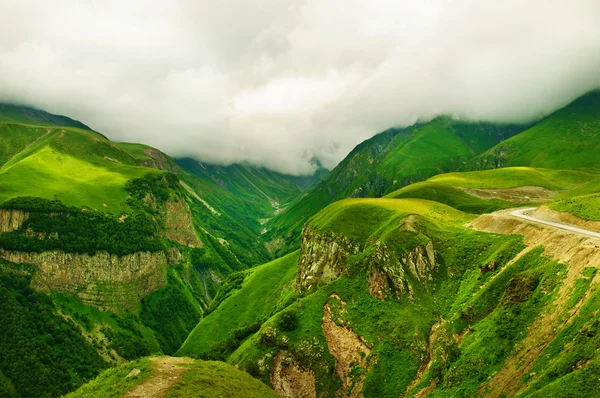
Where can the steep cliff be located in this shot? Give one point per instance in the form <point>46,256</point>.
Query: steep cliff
<point>322,257</point>
<point>105,281</point>
<point>11,220</point>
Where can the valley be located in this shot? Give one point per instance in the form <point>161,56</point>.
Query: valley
<point>448,258</point>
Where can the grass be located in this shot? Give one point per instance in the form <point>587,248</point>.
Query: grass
<point>586,207</point>
<point>53,175</point>
<point>261,189</point>
<point>11,114</point>
<point>208,379</point>
<point>15,137</point>
<point>568,366</point>
<point>265,289</point>
<point>359,219</point>
<point>389,161</point>
<point>78,167</point>
<point>396,328</point>
<point>471,289</point>
<point>450,196</point>
<point>113,383</point>
<point>134,149</point>
<point>433,147</point>
<point>567,139</point>
<point>511,177</point>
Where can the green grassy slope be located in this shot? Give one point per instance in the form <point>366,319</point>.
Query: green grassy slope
<point>583,201</point>
<point>263,190</point>
<point>264,290</point>
<point>389,161</point>
<point>78,167</point>
<point>446,188</point>
<point>25,115</point>
<point>388,326</point>
<point>480,303</point>
<point>202,379</point>
<point>511,177</point>
<point>78,186</point>
<point>450,196</point>
<point>568,138</point>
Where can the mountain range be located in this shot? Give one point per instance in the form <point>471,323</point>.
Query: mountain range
<point>428,262</point>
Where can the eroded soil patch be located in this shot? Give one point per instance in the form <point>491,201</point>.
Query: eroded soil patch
<point>166,373</point>
<point>350,351</point>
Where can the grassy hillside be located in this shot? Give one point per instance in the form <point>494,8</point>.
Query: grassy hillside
<point>446,325</point>
<point>51,343</point>
<point>264,190</point>
<point>448,195</point>
<point>83,194</point>
<point>77,167</point>
<point>245,300</point>
<point>25,115</point>
<point>568,138</point>
<point>389,161</point>
<point>388,326</point>
<point>511,177</point>
<point>205,379</point>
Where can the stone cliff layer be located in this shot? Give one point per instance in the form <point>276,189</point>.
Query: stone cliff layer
<point>11,220</point>
<point>105,281</point>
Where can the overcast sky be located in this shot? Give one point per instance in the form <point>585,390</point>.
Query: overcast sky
<point>278,82</point>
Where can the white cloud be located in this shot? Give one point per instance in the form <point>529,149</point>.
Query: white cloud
<point>279,82</point>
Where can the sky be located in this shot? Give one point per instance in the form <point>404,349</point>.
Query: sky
<point>277,83</point>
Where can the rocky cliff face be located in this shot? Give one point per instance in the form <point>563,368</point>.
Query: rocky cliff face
<point>322,257</point>
<point>11,220</point>
<point>393,274</point>
<point>179,223</point>
<point>107,282</point>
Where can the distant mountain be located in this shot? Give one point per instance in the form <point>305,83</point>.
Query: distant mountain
<point>267,191</point>
<point>388,161</point>
<point>25,115</point>
<point>567,138</point>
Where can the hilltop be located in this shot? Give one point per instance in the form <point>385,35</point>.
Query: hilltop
<point>388,161</point>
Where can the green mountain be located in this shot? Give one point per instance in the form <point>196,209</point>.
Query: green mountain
<point>388,161</point>
<point>127,251</point>
<point>17,114</point>
<point>568,138</point>
<point>413,276</point>
<point>394,296</point>
<point>267,192</point>
<point>422,293</point>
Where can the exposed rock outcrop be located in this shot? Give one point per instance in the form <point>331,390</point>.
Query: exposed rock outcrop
<point>158,160</point>
<point>290,380</point>
<point>322,258</point>
<point>105,281</point>
<point>350,351</point>
<point>179,223</point>
<point>388,274</point>
<point>11,220</point>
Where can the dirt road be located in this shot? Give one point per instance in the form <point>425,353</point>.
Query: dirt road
<point>524,213</point>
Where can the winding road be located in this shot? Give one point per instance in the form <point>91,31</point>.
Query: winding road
<point>523,213</point>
